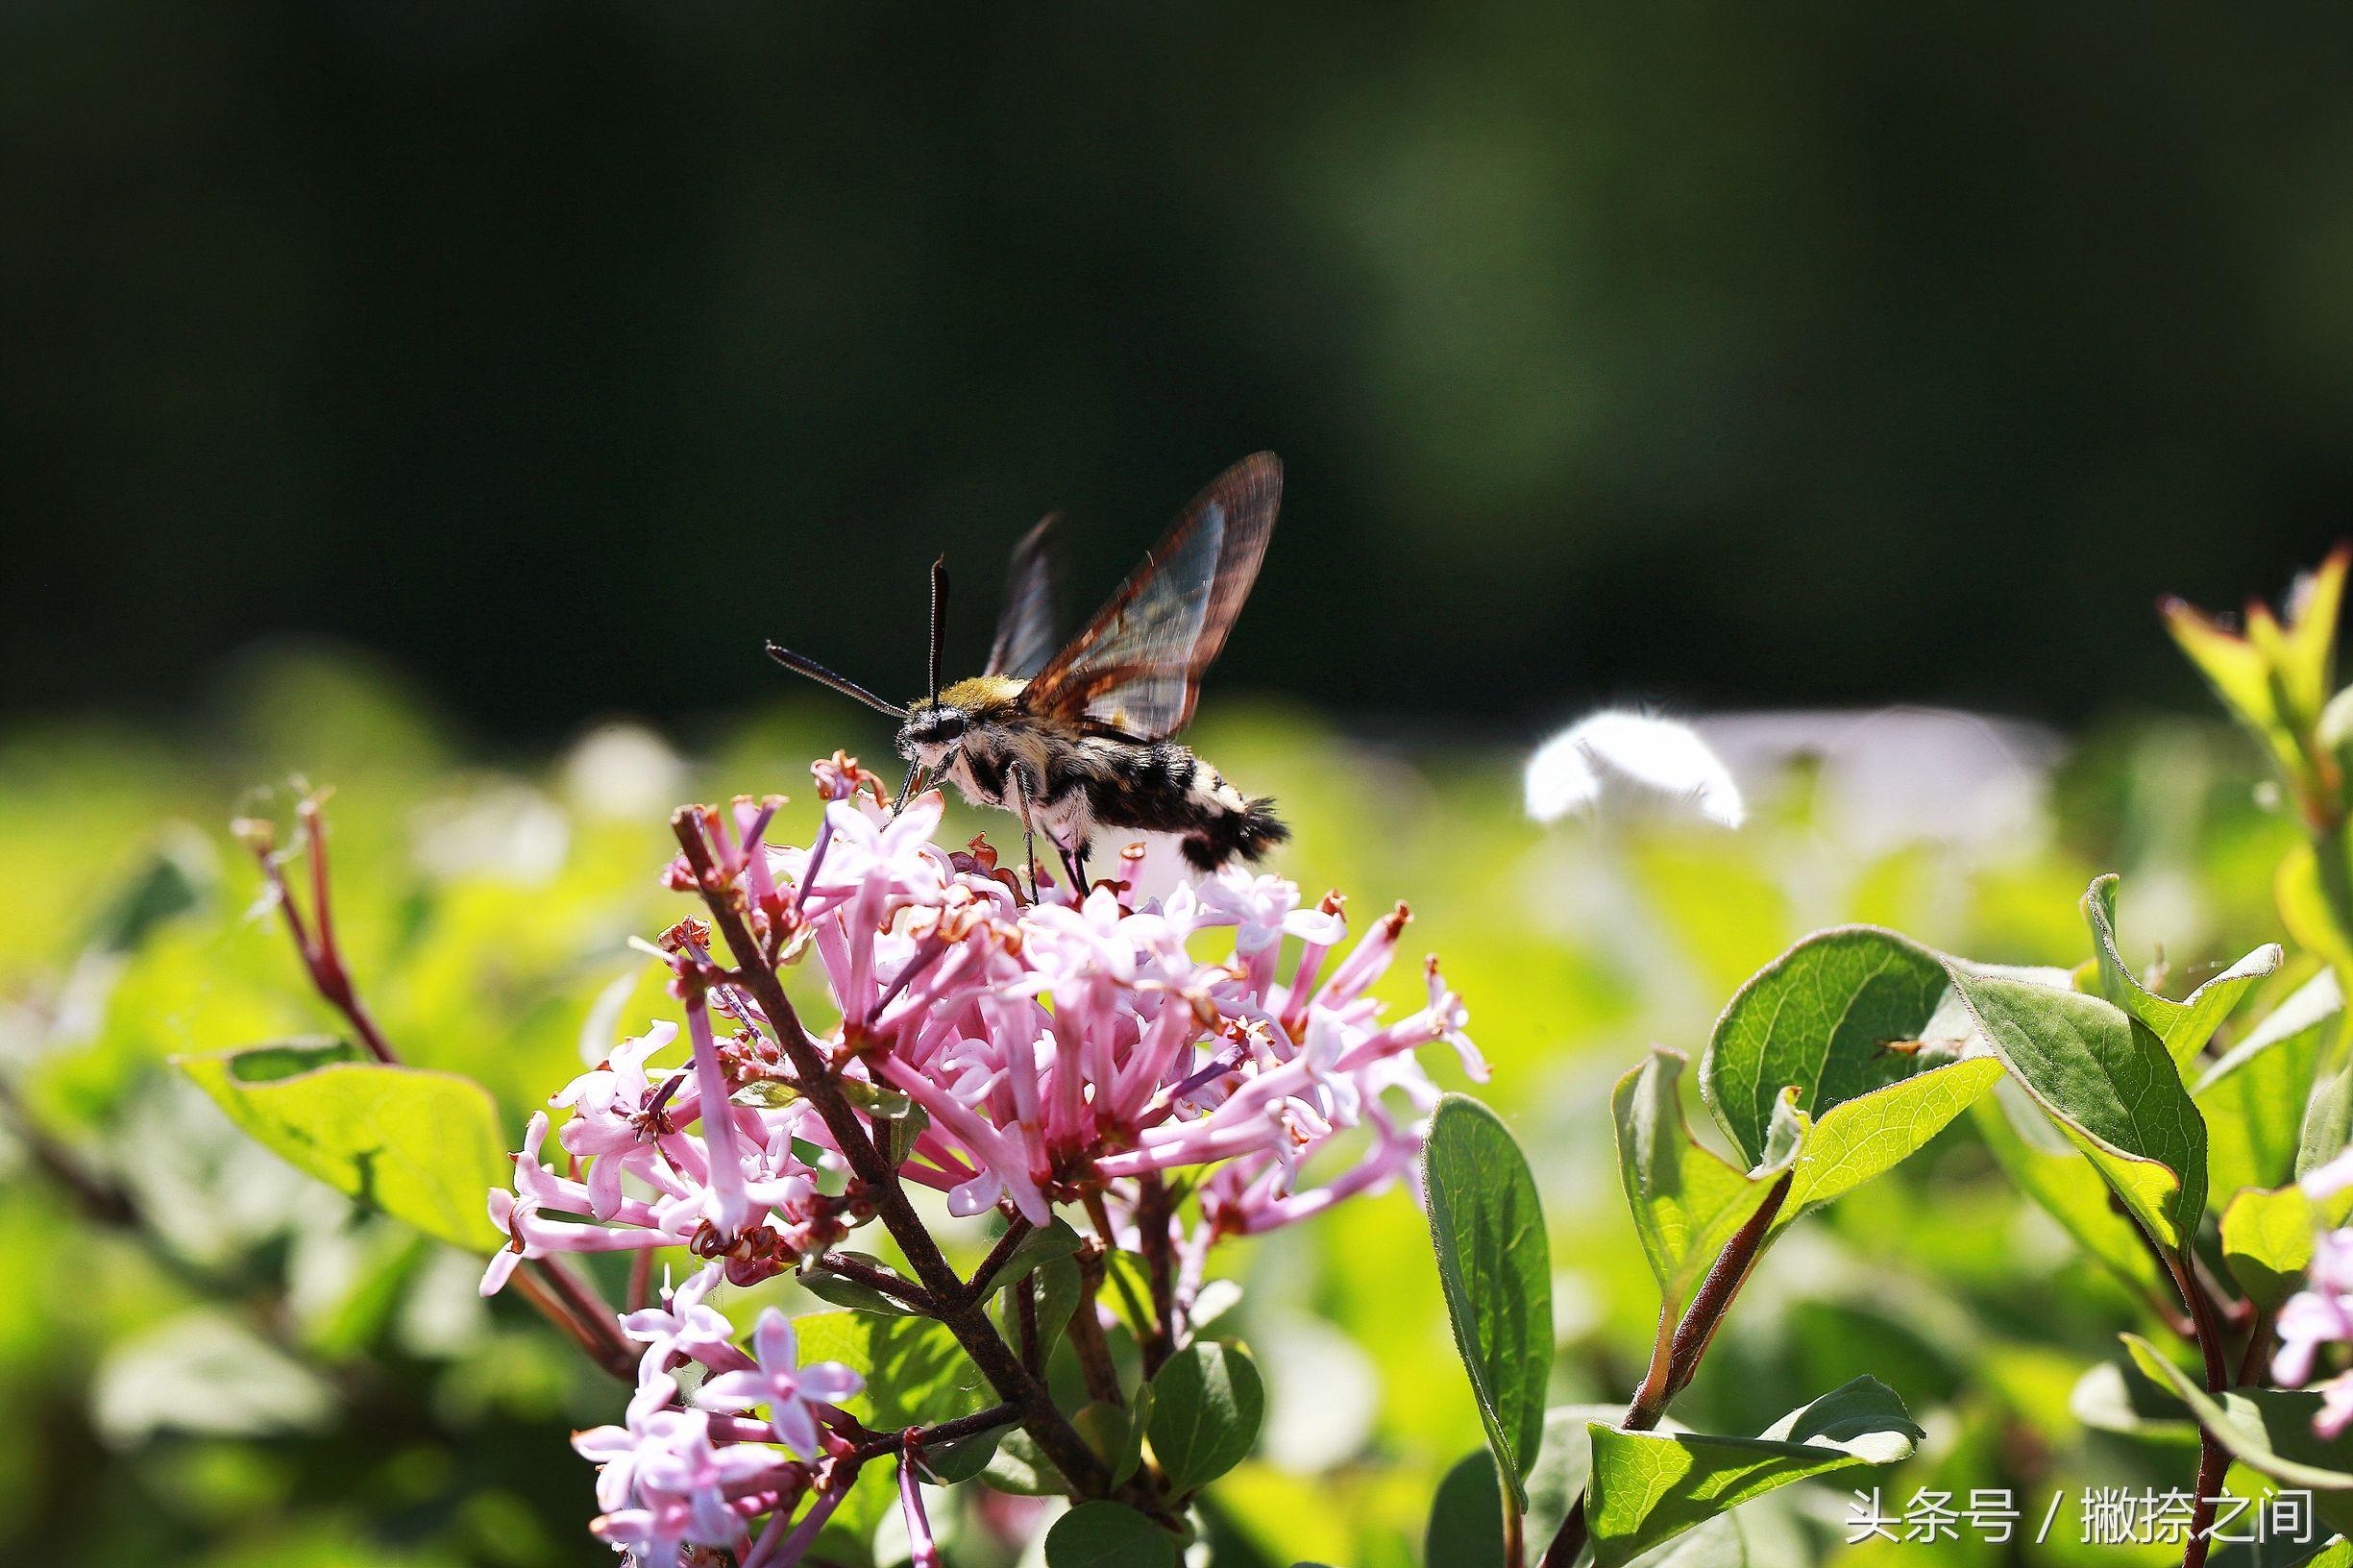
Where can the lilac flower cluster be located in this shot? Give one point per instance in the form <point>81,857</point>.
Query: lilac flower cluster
<point>2322,1313</point>
<point>1014,1053</point>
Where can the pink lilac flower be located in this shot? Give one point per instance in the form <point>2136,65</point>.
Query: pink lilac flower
<point>682,1326</point>
<point>2318,1315</point>
<point>923,1550</point>
<point>777,1380</point>
<point>1071,1047</point>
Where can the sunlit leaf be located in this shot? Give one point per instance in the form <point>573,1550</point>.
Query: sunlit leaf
<point>2312,884</point>
<point>1838,1016</point>
<point>1875,1131</point>
<point>1495,1269</point>
<point>2255,1099</point>
<point>2270,1430</point>
<point>1649,1488</point>
<point>422,1146</point>
<point>2186,1025</point>
<point>2110,1084</point>
<point>1686,1201</point>
<point>915,1373</point>
<point>2267,1238</point>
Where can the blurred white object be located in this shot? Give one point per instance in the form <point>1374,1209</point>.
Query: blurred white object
<point>623,771</point>
<point>1612,754</point>
<point>1891,776</point>
<point>500,830</point>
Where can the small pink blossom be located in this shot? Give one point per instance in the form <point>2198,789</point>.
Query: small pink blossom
<point>777,1380</point>
<point>1226,1040</point>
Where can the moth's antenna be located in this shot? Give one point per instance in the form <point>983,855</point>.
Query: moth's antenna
<point>938,622</point>
<point>802,664</point>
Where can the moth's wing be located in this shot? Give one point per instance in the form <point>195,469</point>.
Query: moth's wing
<point>1025,630</point>
<point>1138,664</point>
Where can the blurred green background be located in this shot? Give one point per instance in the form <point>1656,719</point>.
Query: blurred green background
<point>395,396</point>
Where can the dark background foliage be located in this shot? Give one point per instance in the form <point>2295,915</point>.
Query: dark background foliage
<point>1723,354</point>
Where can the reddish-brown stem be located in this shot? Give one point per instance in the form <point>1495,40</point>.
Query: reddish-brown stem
<point>1025,1309</point>
<point>314,939</point>
<point>612,1355</point>
<point>614,1352</point>
<point>2258,1343</point>
<point>1094,1362</point>
<point>1056,1436</point>
<point>984,1277</point>
<point>2211,1460</point>
<point>2183,1324</point>
<point>1153,1212</point>
<point>875,1445</point>
<point>1714,1298</point>
<point>562,1299</point>
<point>1682,1350</point>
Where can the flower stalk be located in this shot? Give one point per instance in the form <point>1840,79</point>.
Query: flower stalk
<point>1674,1360</point>
<point>950,1293</point>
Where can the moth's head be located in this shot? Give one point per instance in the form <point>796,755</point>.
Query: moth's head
<point>932,729</point>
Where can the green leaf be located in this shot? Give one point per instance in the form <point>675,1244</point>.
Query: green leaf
<point>2268,1430</point>
<point>2267,1238</point>
<point>422,1146</point>
<point>1108,1535</point>
<point>2301,888</point>
<point>1020,1467</point>
<point>2051,1170</point>
<point>2235,667</point>
<point>1873,1132</point>
<point>1686,1201</point>
<point>179,877</point>
<point>2106,1078</point>
<point>946,1464</point>
<point>1838,1016</point>
<point>1206,1407</point>
<point>1116,1436</point>
<point>1127,1290</point>
<point>2255,1099</point>
<point>1042,1246</point>
<point>1649,1488</point>
<point>2117,1396</point>
<point>825,1286</point>
<point>1055,1285</point>
<point>915,1373</point>
<point>1467,1517</point>
<point>2300,1019</point>
<point>1495,1271</point>
<point>2328,1119</point>
<point>2274,678</point>
<point>2187,1026</point>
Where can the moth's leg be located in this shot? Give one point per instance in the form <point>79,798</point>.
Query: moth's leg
<point>1017,778</point>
